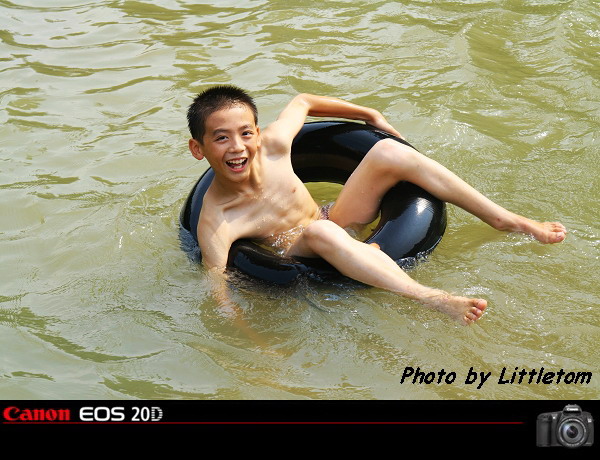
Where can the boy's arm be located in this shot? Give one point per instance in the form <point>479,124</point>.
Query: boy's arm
<point>214,241</point>
<point>294,115</point>
<point>229,307</point>
<point>214,244</point>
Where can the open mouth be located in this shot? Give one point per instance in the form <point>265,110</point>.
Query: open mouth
<point>237,165</point>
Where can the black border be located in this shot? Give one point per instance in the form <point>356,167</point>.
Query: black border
<point>442,426</point>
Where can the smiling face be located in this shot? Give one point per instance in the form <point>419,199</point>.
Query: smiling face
<point>230,143</point>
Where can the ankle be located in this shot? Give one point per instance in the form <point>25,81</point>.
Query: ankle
<point>509,223</point>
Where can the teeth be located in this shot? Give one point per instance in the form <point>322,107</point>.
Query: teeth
<point>236,162</point>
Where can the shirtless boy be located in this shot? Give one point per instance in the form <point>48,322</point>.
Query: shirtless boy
<point>256,194</point>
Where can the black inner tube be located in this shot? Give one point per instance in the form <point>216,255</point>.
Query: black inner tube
<point>411,225</point>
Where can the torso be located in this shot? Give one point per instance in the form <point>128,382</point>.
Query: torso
<point>275,210</point>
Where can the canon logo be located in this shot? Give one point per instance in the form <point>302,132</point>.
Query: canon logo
<point>15,414</point>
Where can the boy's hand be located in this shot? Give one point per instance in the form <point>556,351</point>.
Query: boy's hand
<point>294,115</point>
<point>381,123</point>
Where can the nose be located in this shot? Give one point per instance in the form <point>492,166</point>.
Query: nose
<point>237,144</point>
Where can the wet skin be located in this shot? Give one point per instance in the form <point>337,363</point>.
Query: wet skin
<point>256,194</point>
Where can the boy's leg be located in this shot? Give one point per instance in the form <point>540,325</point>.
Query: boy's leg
<point>389,162</point>
<point>371,266</point>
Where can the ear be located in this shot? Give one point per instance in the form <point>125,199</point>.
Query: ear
<point>259,142</point>
<point>196,149</point>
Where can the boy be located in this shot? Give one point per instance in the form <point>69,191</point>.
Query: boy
<point>256,194</point>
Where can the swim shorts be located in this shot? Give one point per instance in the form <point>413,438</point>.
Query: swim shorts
<point>325,211</point>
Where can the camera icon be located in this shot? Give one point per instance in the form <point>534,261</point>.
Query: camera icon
<point>570,428</point>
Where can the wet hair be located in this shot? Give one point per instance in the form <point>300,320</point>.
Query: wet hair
<point>212,100</point>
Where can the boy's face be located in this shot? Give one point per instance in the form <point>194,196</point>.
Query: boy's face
<point>230,142</point>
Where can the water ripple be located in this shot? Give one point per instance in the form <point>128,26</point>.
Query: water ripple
<point>95,166</point>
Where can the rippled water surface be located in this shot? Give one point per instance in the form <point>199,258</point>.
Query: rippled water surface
<point>97,300</point>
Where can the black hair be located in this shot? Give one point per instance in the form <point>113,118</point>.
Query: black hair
<point>212,100</point>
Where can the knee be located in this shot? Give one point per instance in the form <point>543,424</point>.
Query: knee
<point>322,235</point>
<point>390,153</point>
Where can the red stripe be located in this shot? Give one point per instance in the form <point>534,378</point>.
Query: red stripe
<point>258,423</point>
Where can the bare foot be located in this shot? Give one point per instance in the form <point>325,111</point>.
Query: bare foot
<point>545,232</point>
<point>462,309</point>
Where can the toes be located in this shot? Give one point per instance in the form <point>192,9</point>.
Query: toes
<point>557,231</point>
<point>471,317</point>
<point>559,227</point>
<point>556,236</point>
<point>480,305</point>
<point>549,232</point>
<point>475,312</point>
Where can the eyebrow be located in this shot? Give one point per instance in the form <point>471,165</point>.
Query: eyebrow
<point>223,130</point>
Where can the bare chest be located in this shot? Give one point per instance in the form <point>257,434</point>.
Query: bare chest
<point>282,203</point>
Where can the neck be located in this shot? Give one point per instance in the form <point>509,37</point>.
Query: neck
<point>230,190</point>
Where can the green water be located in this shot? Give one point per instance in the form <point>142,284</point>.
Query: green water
<point>98,301</point>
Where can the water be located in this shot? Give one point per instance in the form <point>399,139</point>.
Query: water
<point>98,301</point>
